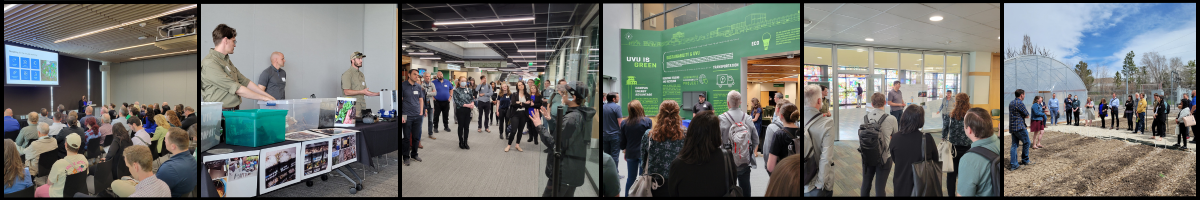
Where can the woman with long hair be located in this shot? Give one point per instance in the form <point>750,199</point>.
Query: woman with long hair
<point>537,102</point>
<point>1037,115</point>
<point>1129,112</point>
<point>502,104</point>
<point>173,119</point>
<point>958,136</point>
<point>663,144</point>
<point>1089,112</point>
<point>906,148</point>
<point>1103,108</point>
<point>631,132</point>
<point>700,161</point>
<point>756,111</point>
<point>16,174</point>
<point>517,112</point>
<point>1160,118</point>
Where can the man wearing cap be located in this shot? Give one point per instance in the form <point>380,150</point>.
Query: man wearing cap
<point>354,84</point>
<point>72,164</point>
<point>274,77</point>
<point>220,81</point>
<point>702,106</point>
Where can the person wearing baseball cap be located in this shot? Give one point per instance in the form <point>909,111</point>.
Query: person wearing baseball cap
<point>354,84</point>
<point>701,106</point>
<point>72,164</point>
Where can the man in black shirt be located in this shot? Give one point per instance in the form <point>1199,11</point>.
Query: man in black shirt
<point>702,106</point>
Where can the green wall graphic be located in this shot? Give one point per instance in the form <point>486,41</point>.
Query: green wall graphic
<point>704,55</point>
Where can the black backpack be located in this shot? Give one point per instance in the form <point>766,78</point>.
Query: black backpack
<point>995,167</point>
<point>868,138</point>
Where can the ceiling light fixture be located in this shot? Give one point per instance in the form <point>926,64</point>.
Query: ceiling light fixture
<point>453,61</point>
<point>935,18</point>
<point>135,46</point>
<point>522,57</point>
<point>415,53</point>
<point>530,61</point>
<point>503,41</point>
<point>135,58</point>
<point>482,21</point>
<point>431,58</point>
<point>595,49</point>
<point>10,6</point>
<point>870,40</point>
<point>535,50</point>
<point>129,23</point>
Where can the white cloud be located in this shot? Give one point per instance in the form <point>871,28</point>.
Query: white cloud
<point>1177,41</point>
<point>1096,34</point>
<point>1059,27</point>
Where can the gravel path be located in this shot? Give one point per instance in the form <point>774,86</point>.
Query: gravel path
<point>1098,132</point>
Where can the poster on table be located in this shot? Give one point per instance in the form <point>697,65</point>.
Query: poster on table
<point>233,174</point>
<point>279,167</point>
<point>345,150</point>
<point>316,157</point>
<point>345,112</point>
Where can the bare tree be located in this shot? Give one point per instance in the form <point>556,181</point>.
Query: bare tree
<point>1027,48</point>
<point>1155,66</point>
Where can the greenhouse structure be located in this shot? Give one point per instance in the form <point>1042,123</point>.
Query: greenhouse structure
<point>1040,76</point>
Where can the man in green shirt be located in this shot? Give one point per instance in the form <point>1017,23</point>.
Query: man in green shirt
<point>354,84</point>
<point>220,81</point>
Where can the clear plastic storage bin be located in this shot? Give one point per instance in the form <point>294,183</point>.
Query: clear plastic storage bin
<point>302,113</point>
<point>210,124</point>
<point>254,128</point>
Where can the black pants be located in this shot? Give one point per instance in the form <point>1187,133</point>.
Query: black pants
<point>1077,118</point>
<point>429,114</point>
<point>464,115</point>
<point>442,110</point>
<point>500,121</point>
<point>564,191</point>
<point>517,124</point>
<point>1160,126</point>
<point>485,114</point>
<point>1102,122</point>
<point>952,177</point>
<point>1129,121</point>
<point>878,173</point>
<point>1115,122</point>
<point>1068,115</point>
<point>533,130</point>
<point>408,146</point>
<point>1183,135</point>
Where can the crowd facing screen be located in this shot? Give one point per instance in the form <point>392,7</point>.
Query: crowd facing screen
<point>30,67</point>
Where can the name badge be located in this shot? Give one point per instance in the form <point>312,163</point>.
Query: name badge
<point>283,78</point>
<point>414,92</point>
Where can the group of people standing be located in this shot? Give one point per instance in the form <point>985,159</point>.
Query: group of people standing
<point>1134,112</point>
<point>903,144</point>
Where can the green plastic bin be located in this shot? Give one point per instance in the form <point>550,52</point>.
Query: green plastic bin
<point>254,128</point>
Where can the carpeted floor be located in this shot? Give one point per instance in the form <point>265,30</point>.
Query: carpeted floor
<point>483,171</point>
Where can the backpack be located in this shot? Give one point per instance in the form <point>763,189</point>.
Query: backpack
<point>811,161</point>
<point>868,137</point>
<point>731,187</point>
<point>739,136</point>
<point>995,166</point>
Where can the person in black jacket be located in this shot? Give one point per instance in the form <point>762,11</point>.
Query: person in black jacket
<point>906,149</point>
<point>572,140</point>
<point>121,140</point>
<point>502,104</point>
<point>701,169</point>
<point>190,118</point>
<point>1129,112</point>
<point>632,131</point>
<point>517,114</point>
<point>538,102</point>
<point>1160,118</point>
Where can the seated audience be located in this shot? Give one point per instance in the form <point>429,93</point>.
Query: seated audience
<point>180,171</point>
<point>143,183</point>
<point>29,133</point>
<point>16,174</point>
<point>43,144</point>
<point>72,164</point>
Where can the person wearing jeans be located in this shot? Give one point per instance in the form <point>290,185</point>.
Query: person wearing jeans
<point>1141,114</point>
<point>1053,109</point>
<point>1019,133</point>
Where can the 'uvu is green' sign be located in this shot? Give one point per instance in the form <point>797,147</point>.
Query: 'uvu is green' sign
<point>704,55</point>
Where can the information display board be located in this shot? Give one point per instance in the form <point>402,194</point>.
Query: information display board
<point>704,55</point>
<point>316,157</point>
<point>279,167</point>
<point>234,174</point>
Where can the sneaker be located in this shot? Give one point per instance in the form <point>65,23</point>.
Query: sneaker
<point>1026,163</point>
<point>448,128</point>
<point>406,162</point>
<point>418,159</point>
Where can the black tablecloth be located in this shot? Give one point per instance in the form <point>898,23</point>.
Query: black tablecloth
<point>380,138</point>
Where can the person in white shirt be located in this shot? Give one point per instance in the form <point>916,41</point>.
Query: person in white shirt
<point>143,182</point>
<point>141,137</point>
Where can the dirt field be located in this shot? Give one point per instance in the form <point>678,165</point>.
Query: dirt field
<point>1073,165</point>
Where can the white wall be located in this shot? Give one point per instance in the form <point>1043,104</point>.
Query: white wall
<point>617,16</point>
<point>171,79</point>
<point>316,39</point>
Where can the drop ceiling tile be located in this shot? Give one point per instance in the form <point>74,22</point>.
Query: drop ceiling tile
<point>866,28</point>
<point>857,11</point>
<point>814,14</point>
<point>841,22</point>
<point>993,24</point>
<point>953,22</point>
<point>827,7</point>
<point>938,6</point>
<point>889,19</point>
<point>967,9</point>
<point>817,33</point>
<point>878,6</point>
<point>911,11</point>
<point>985,16</point>
<point>983,31</point>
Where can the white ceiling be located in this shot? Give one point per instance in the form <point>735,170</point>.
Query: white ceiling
<point>964,27</point>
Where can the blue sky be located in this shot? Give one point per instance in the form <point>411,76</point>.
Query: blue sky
<point>1101,34</point>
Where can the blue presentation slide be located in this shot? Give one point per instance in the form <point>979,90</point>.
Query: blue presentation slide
<point>31,67</point>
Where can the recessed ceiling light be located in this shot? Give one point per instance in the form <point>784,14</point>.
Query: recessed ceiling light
<point>920,59</point>
<point>502,41</point>
<point>535,50</point>
<point>935,18</point>
<point>818,57</point>
<point>871,40</point>
<point>416,53</point>
<point>135,58</point>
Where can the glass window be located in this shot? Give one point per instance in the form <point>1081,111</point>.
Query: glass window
<point>910,67</point>
<point>817,59</point>
<point>679,17</point>
<point>887,61</point>
<point>954,71</point>
<point>935,70</point>
<point>650,9</point>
